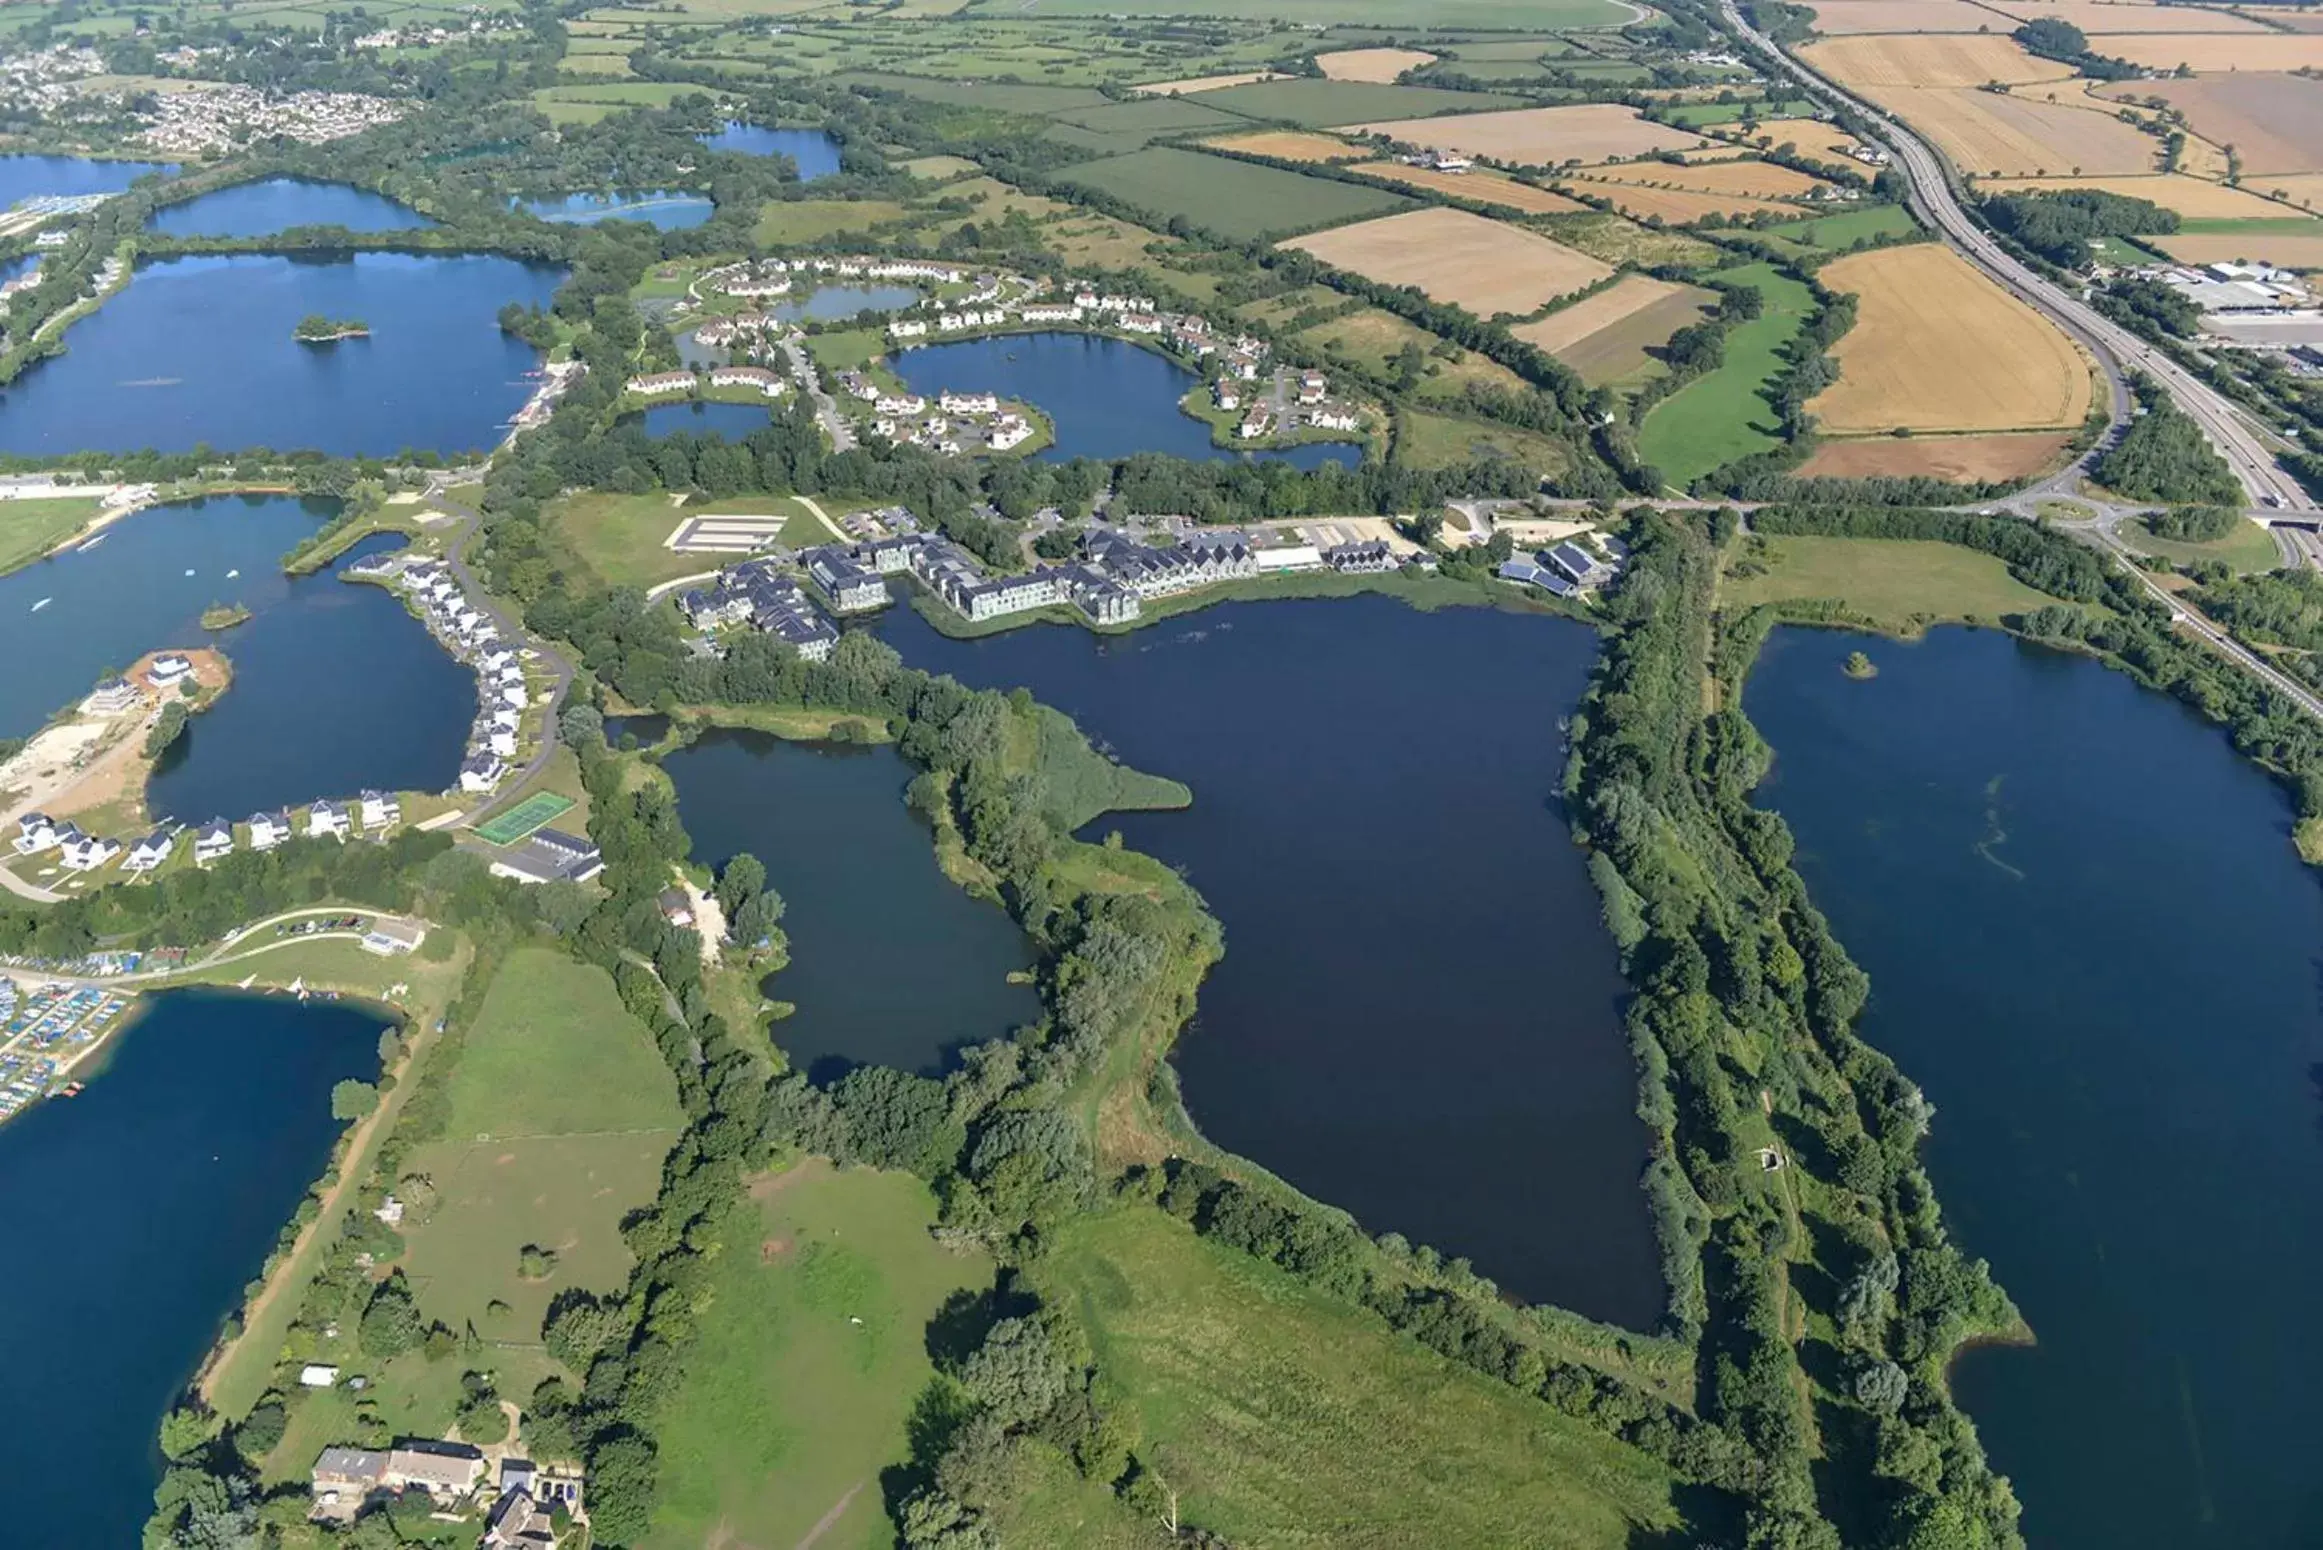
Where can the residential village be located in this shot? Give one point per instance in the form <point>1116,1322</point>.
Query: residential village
<point>525,1505</point>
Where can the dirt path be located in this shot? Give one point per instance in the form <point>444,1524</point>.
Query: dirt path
<point>828,1520</point>
<point>824,517</point>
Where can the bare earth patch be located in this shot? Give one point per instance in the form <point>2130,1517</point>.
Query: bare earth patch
<point>2274,122</point>
<point>1380,65</point>
<point>1978,459</point>
<point>1605,336</point>
<point>1486,266</point>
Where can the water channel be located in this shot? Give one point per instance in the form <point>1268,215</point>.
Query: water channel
<point>668,209</point>
<point>891,964</point>
<point>2090,939</point>
<point>813,152</point>
<point>1418,1014</point>
<point>133,1215</point>
<point>198,351</point>
<point>1107,398</point>
<point>273,205</point>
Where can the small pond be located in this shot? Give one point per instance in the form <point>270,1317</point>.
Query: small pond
<point>668,210</point>
<point>732,421</point>
<point>815,153</point>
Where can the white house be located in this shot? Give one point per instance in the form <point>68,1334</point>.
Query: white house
<point>150,852</point>
<point>969,403</point>
<point>212,840</point>
<point>1010,431</point>
<point>326,820</point>
<point>317,1375</point>
<point>481,772</point>
<point>169,669</point>
<point>501,741</point>
<point>37,832</point>
<point>380,811</point>
<point>87,852</point>
<point>656,384</point>
<point>268,830</point>
<point>110,698</point>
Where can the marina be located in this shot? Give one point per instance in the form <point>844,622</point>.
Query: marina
<point>47,1031</point>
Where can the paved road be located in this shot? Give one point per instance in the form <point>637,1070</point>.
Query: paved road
<point>810,382</point>
<point>2113,346</point>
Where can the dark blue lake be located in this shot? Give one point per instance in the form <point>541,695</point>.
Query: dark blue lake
<point>658,207</point>
<point>133,1216</point>
<point>336,688</point>
<point>1107,398</point>
<point>1418,1014</point>
<point>815,153</point>
<point>276,204</point>
<point>142,587</point>
<point>2090,940</point>
<point>199,351</point>
<point>866,897</point>
<point>24,177</point>
<point>732,421</point>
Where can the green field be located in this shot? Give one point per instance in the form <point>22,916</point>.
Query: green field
<point>1318,103</point>
<point>1836,233</point>
<point>2247,548</point>
<point>783,221</point>
<point>1285,1417</point>
<point>534,812</point>
<point>1441,441</point>
<point>1150,117</point>
<point>28,529</point>
<point>2255,226</point>
<point>1894,583</point>
<point>1546,14</point>
<point>1724,415</point>
<point>799,1388</point>
<point>561,1112</point>
<point>1000,98</point>
<point>1696,114</point>
<point>1235,199</point>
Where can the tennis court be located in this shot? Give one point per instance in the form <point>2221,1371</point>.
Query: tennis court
<point>534,812</point>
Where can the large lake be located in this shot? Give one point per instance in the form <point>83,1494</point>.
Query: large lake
<point>24,177</point>
<point>813,152</point>
<point>890,962</point>
<point>198,351</point>
<point>271,205</point>
<point>133,1215</point>
<point>1418,1016</point>
<point>336,688</point>
<point>2090,940</point>
<point>1107,398</point>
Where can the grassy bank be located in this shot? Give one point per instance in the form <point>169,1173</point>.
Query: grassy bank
<point>30,529</point>
<point>1900,586</point>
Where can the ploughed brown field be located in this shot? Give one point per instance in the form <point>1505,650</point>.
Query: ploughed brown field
<point>1606,336</point>
<point>2274,122</point>
<point>1963,459</point>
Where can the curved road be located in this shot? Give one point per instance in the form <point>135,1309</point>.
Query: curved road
<point>2268,485</point>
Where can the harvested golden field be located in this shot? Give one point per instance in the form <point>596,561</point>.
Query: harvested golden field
<point>2274,122</point>
<point>2304,189</point>
<point>2190,197</point>
<point>1750,178</point>
<point>1936,346</point>
<point>1674,206</point>
<point>1380,65</point>
<point>1809,137</point>
<point>1484,188</point>
<point>2299,251</point>
<point>2105,18</point>
<point>1841,18</point>
<point>2219,55</point>
<point>1290,145</point>
<point>1455,257</point>
<point>1605,336</point>
<point>1978,459</point>
<point>2019,136</point>
<point>2298,19</point>
<point>1929,61</point>
<point>1202,83</point>
<point>1541,137</point>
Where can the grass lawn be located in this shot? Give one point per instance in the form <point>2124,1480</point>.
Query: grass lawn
<point>1287,1417</point>
<point>1837,233</point>
<point>1897,584</point>
<point>622,539</point>
<point>554,1053</point>
<point>29,528</point>
<point>847,349</point>
<point>1442,441</point>
<point>811,1354</point>
<point>1725,415</point>
<point>2247,548</point>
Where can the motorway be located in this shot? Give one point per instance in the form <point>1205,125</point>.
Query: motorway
<point>2269,487</point>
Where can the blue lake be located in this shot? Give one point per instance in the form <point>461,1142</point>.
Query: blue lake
<point>2091,941</point>
<point>198,351</point>
<point>844,301</point>
<point>1107,398</point>
<point>659,207</point>
<point>1418,1017</point>
<point>22,263</point>
<point>133,1216</point>
<point>732,421</point>
<point>336,688</point>
<point>276,204</point>
<point>857,870</point>
<point>23,177</point>
<point>815,153</point>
